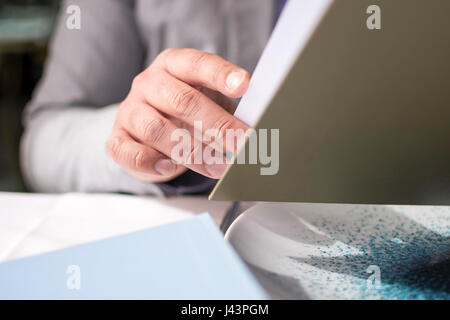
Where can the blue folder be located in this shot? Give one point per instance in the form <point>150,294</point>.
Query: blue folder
<point>184,260</point>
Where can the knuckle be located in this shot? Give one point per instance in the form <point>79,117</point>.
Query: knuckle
<point>124,112</point>
<point>193,154</point>
<point>164,55</point>
<point>198,59</point>
<point>222,125</point>
<point>139,160</point>
<point>166,52</point>
<point>137,81</point>
<point>186,102</point>
<point>153,130</point>
<point>113,146</point>
<point>123,105</point>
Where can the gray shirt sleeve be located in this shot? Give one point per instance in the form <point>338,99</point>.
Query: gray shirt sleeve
<point>72,112</point>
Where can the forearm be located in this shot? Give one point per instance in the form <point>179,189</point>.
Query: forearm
<point>63,150</point>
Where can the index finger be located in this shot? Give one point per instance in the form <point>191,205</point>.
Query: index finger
<point>205,69</point>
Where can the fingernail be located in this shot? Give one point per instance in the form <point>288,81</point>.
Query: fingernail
<point>165,167</point>
<point>215,170</point>
<point>235,79</point>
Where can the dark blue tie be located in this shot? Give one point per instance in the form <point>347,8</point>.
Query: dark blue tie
<point>279,8</point>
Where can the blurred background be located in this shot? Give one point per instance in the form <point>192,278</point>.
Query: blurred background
<point>25,29</point>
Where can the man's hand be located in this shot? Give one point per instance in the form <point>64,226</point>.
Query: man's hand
<point>180,87</point>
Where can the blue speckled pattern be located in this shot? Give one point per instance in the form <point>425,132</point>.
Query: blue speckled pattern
<point>331,251</point>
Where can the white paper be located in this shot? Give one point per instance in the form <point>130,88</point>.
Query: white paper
<point>35,224</point>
